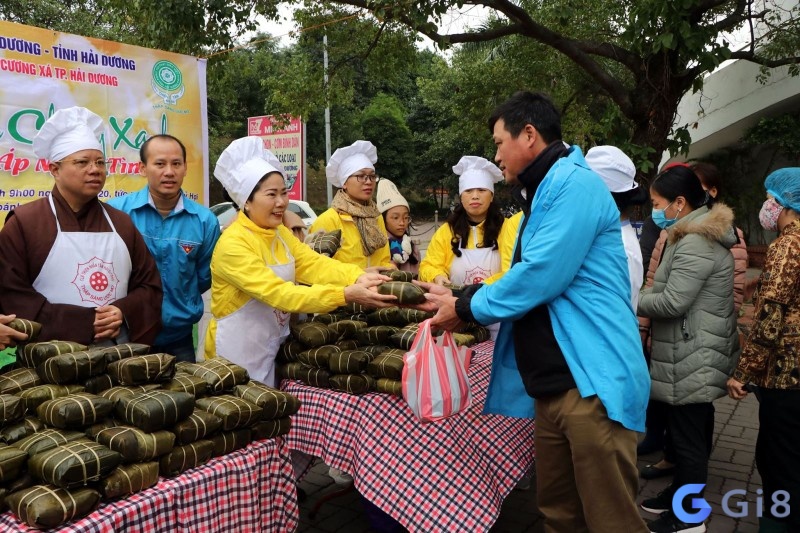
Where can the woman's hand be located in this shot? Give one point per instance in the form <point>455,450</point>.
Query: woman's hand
<point>368,296</point>
<point>441,279</point>
<point>377,270</point>
<point>372,279</point>
<point>9,336</point>
<point>736,389</point>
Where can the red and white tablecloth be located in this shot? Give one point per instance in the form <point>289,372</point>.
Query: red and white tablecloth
<point>249,490</point>
<point>451,475</point>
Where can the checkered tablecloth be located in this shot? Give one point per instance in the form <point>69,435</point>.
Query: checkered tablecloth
<point>249,490</point>
<point>451,475</point>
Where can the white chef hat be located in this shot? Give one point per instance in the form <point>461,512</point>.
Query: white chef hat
<point>476,173</point>
<point>387,196</point>
<point>616,168</point>
<point>242,165</point>
<point>348,160</point>
<point>68,131</point>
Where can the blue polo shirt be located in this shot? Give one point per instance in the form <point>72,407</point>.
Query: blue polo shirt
<point>181,244</point>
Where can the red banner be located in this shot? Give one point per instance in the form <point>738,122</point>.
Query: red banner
<point>288,143</point>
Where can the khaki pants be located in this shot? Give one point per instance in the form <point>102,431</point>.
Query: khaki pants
<point>586,476</point>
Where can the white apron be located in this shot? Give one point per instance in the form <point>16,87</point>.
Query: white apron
<point>87,269</point>
<point>251,335</point>
<point>474,266</point>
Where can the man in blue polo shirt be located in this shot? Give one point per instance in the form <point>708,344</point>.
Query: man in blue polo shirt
<point>180,233</point>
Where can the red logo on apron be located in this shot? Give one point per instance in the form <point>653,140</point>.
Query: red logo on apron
<point>96,281</point>
<point>187,248</point>
<point>475,275</point>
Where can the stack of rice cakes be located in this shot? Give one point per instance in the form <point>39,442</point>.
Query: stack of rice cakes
<point>79,425</point>
<point>358,350</point>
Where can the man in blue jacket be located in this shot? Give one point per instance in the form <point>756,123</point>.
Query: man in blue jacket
<point>568,344</point>
<point>180,234</point>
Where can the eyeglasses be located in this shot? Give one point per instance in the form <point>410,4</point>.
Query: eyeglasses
<point>364,178</point>
<point>82,164</point>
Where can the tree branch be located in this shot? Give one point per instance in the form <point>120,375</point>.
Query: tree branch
<point>521,23</point>
<point>374,42</point>
<point>471,37</point>
<point>698,11</point>
<point>747,55</point>
<point>735,19</point>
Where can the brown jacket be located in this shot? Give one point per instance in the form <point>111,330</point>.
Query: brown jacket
<point>26,240</point>
<point>771,355</point>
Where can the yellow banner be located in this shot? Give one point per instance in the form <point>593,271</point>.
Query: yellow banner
<point>139,93</point>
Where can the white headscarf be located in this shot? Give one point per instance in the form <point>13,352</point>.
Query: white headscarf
<point>68,131</point>
<point>242,165</point>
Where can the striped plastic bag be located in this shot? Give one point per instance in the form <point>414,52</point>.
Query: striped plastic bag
<point>435,383</point>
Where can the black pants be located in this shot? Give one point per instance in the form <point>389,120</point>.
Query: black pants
<point>669,449</point>
<point>690,429</point>
<point>778,451</point>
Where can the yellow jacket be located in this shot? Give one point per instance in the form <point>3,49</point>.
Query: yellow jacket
<point>351,251</point>
<point>239,274</point>
<point>505,242</point>
<point>439,254</point>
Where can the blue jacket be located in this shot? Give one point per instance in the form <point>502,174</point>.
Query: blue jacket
<point>573,261</point>
<point>181,244</point>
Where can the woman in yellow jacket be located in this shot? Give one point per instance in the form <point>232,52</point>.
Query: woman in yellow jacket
<point>467,249</point>
<point>256,262</point>
<point>364,241</point>
<point>505,243</point>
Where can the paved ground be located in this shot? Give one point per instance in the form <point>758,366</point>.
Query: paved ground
<point>732,466</point>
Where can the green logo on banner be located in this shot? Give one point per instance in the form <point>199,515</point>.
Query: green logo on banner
<point>168,81</point>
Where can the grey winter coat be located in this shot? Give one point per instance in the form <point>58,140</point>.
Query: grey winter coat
<point>695,345</point>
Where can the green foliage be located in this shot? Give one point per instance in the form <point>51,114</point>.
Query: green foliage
<point>83,17</point>
<point>640,56</point>
<point>184,26</point>
<point>383,123</point>
<point>617,70</point>
<point>772,142</point>
<point>782,132</point>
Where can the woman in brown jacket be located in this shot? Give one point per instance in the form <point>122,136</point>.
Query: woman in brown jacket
<point>771,356</point>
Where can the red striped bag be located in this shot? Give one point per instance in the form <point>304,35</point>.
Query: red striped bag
<point>435,383</point>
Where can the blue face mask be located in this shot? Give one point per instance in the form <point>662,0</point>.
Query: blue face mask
<point>661,220</point>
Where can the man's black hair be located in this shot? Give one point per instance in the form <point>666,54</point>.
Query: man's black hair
<point>143,149</point>
<point>525,107</point>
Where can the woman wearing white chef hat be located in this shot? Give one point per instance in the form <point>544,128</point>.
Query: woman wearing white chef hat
<point>257,260</point>
<point>465,250</point>
<point>364,241</point>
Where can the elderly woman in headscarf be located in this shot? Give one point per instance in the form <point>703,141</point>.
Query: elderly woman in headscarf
<point>364,242</point>
<point>771,355</point>
<point>257,260</point>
